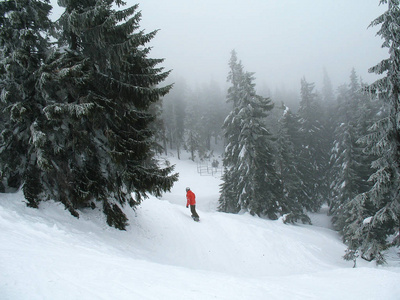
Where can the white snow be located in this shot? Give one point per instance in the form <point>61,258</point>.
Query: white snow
<point>48,254</point>
<point>367,220</point>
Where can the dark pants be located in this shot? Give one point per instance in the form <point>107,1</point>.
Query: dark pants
<point>193,210</point>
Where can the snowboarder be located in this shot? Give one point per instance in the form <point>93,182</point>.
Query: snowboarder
<point>191,200</point>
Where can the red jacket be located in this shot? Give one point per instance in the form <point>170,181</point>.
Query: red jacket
<point>191,198</point>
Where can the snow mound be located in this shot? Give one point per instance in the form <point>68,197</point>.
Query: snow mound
<point>46,253</point>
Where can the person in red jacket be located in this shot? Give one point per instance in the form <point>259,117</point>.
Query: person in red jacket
<point>191,200</point>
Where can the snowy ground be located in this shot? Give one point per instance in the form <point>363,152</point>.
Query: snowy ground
<point>48,254</point>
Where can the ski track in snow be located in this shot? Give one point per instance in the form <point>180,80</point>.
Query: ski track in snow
<point>48,254</point>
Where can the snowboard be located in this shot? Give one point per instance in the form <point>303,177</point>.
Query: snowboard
<point>196,219</point>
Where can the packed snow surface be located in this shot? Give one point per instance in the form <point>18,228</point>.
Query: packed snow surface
<point>46,253</point>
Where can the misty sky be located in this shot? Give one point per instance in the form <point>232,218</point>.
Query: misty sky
<point>280,40</point>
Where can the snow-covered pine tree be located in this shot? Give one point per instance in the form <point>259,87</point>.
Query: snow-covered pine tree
<point>258,186</point>
<point>342,158</point>
<point>377,231</point>
<point>251,179</point>
<point>369,111</point>
<point>312,157</point>
<point>287,148</point>
<point>330,124</point>
<point>366,112</point>
<point>349,163</point>
<point>228,201</point>
<point>24,28</point>
<point>96,146</point>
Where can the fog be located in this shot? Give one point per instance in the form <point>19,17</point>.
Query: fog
<point>280,41</point>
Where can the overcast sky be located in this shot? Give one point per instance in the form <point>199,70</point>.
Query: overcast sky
<point>280,40</point>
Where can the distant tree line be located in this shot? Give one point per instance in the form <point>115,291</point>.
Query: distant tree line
<point>192,120</point>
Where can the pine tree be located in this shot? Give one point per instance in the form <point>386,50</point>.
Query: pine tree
<point>251,182</point>
<point>228,201</point>
<point>287,145</point>
<point>348,158</point>
<point>382,201</point>
<point>330,124</point>
<point>312,157</point>
<point>342,156</point>
<point>96,145</point>
<point>365,112</point>
<point>258,185</point>
<point>24,27</point>
<point>351,165</point>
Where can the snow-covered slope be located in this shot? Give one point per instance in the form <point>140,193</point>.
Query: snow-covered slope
<point>48,254</point>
